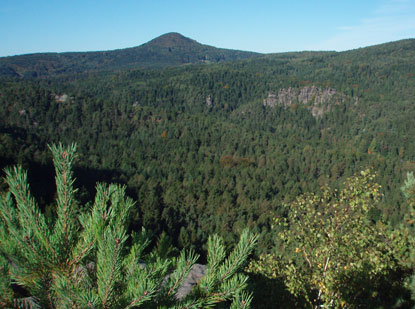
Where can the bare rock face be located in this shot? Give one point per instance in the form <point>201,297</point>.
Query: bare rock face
<point>209,101</point>
<point>198,271</point>
<point>318,100</point>
<point>61,98</point>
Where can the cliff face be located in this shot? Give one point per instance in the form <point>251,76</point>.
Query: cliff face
<point>317,100</point>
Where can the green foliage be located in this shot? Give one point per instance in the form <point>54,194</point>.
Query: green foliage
<point>230,164</point>
<point>408,189</point>
<point>6,299</point>
<point>170,49</point>
<point>83,260</point>
<point>333,243</point>
<point>406,233</point>
<point>199,151</point>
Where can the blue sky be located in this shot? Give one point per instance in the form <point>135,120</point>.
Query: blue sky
<point>28,26</point>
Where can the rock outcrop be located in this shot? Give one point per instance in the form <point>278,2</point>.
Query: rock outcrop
<point>198,271</point>
<point>61,98</point>
<point>209,101</point>
<point>318,100</point>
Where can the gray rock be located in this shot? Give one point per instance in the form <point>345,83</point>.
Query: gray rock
<point>209,101</point>
<point>196,273</point>
<point>316,99</point>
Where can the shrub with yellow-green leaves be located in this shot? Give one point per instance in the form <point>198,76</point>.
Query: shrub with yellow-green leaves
<point>331,245</point>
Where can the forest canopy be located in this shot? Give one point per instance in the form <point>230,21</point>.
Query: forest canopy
<point>213,148</point>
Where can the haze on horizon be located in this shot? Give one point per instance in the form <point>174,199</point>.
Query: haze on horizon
<point>262,26</point>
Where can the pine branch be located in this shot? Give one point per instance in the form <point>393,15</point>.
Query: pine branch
<point>109,263</point>
<point>238,256</point>
<point>121,206</point>
<point>32,221</point>
<point>231,287</point>
<point>64,230</point>
<point>132,260</point>
<point>49,265</point>
<point>144,284</point>
<point>184,265</point>
<point>6,292</point>
<point>216,254</point>
<point>93,225</point>
<point>26,302</point>
<point>221,282</point>
<point>242,301</point>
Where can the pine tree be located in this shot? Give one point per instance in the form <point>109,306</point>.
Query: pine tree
<point>82,260</point>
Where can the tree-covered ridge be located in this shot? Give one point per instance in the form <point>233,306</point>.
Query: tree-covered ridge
<point>171,49</point>
<point>201,153</point>
<point>202,135</point>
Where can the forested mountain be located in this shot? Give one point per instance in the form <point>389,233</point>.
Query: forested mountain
<point>215,148</point>
<point>167,50</point>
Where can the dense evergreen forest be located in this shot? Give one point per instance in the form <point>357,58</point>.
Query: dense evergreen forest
<point>170,49</point>
<point>214,148</point>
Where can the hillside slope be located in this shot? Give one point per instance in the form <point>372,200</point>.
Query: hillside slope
<point>170,49</point>
<point>229,141</point>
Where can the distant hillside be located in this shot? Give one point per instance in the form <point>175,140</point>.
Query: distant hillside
<point>208,149</point>
<point>170,49</point>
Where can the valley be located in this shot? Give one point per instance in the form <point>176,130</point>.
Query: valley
<point>211,141</point>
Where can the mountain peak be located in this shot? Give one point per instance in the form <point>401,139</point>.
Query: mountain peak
<point>171,39</point>
<point>170,49</point>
